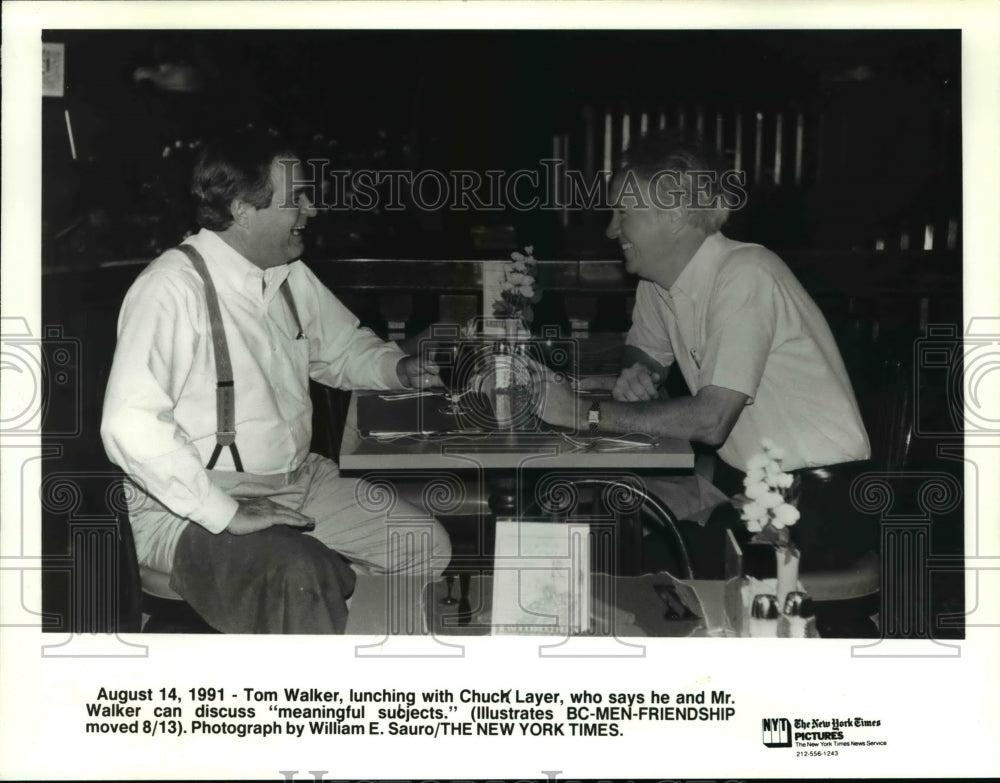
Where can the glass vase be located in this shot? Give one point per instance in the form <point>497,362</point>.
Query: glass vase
<point>787,565</point>
<point>512,386</point>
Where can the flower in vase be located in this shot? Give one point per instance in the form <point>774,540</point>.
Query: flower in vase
<point>784,515</point>
<point>518,290</point>
<point>767,504</point>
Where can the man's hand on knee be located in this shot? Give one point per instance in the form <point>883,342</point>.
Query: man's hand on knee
<point>255,514</point>
<point>636,384</point>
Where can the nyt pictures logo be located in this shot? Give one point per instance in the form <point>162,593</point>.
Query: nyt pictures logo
<point>776,732</point>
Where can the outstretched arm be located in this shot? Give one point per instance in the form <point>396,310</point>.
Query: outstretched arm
<point>708,417</point>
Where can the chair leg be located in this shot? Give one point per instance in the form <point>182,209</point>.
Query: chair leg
<point>629,543</point>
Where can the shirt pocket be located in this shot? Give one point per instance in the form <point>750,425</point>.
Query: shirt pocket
<point>292,357</point>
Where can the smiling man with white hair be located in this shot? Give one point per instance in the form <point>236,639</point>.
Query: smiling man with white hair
<point>754,348</point>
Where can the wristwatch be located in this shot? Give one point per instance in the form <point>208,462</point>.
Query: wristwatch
<point>594,416</point>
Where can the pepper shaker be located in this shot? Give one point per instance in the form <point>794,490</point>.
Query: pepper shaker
<point>798,621</point>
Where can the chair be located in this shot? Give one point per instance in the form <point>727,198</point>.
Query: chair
<point>881,373</point>
<point>860,580</point>
<point>890,420</point>
<point>329,416</point>
<point>146,592</point>
<point>129,581</point>
<point>847,600</point>
<point>647,538</point>
<point>883,383</point>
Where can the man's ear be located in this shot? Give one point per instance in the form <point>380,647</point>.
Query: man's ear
<point>242,213</point>
<point>672,220</point>
<point>677,218</point>
<point>670,205</point>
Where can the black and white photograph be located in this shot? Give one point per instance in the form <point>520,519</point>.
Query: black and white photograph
<point>580,392</point>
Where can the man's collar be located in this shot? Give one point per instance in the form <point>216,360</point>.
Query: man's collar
<point>231,268</point>
<point>701,267</point>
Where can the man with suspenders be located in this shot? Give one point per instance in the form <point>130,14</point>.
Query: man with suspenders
<point>208,411</point>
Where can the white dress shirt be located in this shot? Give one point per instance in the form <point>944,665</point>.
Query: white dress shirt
<point>738,318</point>
<point>159,420</point>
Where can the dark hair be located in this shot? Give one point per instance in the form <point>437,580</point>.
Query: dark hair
<point>672,155</point>
<point>236,166</point>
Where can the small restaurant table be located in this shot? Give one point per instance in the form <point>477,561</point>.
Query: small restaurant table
<point>501,457</point>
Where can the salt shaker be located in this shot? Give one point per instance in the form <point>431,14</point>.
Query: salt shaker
<point>797,619</point>
<point>764,616</point>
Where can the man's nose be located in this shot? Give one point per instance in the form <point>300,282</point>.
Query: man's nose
<point>612,230</point>
<point>306,206</point>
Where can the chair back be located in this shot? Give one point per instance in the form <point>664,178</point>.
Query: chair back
<point>329,417</point>
<point>129,582</point>
<point>641,522</point>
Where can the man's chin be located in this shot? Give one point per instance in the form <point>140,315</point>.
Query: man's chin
<point>296,247</point>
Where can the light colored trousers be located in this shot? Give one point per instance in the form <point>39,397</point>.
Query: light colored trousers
<point>366,523</point>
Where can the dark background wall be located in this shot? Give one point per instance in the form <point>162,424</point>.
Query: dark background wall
<point>880,112</point>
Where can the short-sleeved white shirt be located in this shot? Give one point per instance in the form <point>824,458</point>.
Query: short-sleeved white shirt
<point>738,318</point>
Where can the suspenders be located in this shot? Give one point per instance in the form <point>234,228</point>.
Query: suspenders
<point>225,392</point>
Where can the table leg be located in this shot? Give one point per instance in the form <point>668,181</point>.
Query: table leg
<point>464,607</point>
<point>502,502</point>
<point>502,486</point>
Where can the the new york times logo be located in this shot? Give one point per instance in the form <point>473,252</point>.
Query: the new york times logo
<point>776,732</point>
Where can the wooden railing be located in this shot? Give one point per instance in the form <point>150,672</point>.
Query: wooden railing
<point>890,289</point>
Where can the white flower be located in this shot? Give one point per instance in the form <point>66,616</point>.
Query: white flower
<point>758,462</point>
<point>756,491</point>
<point>754,525</point>
<point>518,286</point>
<point>753,511</point>
<point>785,480</point>
<point>767,444</point>
<point>773,479</point>
<point>530,250</point>
<point>771,500</point>
<point>753,476</point>
<point>785,515</point>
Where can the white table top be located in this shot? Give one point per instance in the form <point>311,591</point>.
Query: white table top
<point>503,451</point>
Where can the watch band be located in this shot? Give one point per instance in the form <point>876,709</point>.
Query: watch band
<point>594,416</point>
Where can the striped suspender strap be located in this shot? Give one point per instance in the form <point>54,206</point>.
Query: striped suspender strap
<point>225,394</point>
